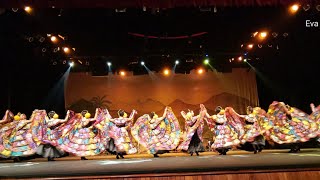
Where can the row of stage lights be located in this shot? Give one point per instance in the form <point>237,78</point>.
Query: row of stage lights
<point>165,71</point>
<point>262,35</point>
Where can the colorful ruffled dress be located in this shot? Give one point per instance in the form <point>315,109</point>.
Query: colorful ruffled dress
<point>118,130</point>
<point>227,130</point>
<point>157,136</point>
<point>18,140</point>
<point>79,139</point>
<point>51,134</point>
<point>299,128</point>
<point>253,130</point>
<point>192,137</point>
<point>315,116</point>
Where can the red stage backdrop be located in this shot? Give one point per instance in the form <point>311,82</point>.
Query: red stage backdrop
<point>146,93</point>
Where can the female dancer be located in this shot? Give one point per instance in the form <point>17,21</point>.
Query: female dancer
<point>47,147</point>
<point>157,134</point>
<point>291,126</point>
<point>226,130</point>
<point>18,141</point>
<point>192,138</point>
<point>78,136</point>
<point>119,133</point>
<point>253,130</point>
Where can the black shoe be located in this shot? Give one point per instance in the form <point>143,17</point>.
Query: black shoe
<point>197,153</point>
<point>84,158</point>
<point>155,155</point>
<point>117,156</point>
<point>121,156</point>
<point>17,159</point>
<point>191,154</point>
<point>255,152</point>
<point>51,159</point>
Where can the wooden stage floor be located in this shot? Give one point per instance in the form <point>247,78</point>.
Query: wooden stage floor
<point>237,162</point>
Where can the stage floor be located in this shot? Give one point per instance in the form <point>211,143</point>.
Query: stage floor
<point>167,163</point>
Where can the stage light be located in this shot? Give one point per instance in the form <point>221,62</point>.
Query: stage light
<point>71,64</point>
<point>207,55</point>
<point>255,33</point>
<point>109,64</point>
<point>28,9</point>
<point>250,46</point>
<point>177,62</point>
<point>294,8</point>
<point>240,58</point>
<point>66,49</point>
<point>245,60</point>
<point>122,73</point>
<point>200,71</point>
<point>142,63</point>
<point>166,72</point>
<point>54,39</point>
<point>206,61</point>
<point>263,35</point>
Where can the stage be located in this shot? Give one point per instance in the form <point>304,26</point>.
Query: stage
<point>236,162</point>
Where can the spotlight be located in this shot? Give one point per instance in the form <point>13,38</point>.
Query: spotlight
<point>177,62</point>
<point>294,8</point>
<point>54,39</point>
<point>109,64</point>
<point>250,46</point>
<point>206,61</point>
<point>71,64</point>
<point>49,35</point>
<point>207,55</point>
<point>64,62</point>
<point>66,49</point>
<point>43,49</point>
<point>28,9</point>
<point>255,33</point>
<point>245,60</point>
<point>142,63</point>
<point>166,72</point>
<point>263,35</point>
<point>122,73</point>
<point>200,71</point>
<point>240,58</point>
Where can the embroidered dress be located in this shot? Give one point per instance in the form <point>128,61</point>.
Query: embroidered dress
<point>17,140</point>
<point>157,135</point>
<point>192,138</point>
<point>226,129</point>
<point>297,128</point>
<point>78,137</point>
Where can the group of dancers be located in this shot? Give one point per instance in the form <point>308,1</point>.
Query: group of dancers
<point>81,135</point>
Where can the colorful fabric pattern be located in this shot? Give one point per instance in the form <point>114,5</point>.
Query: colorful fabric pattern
<point>193,125</point>
<point>78,139</point>
<point>157,136</point>
<point>300,128</point>
<point>119,130</point>
<point>18,139</point>
<point>227,129</point>
<point>252,129</point>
